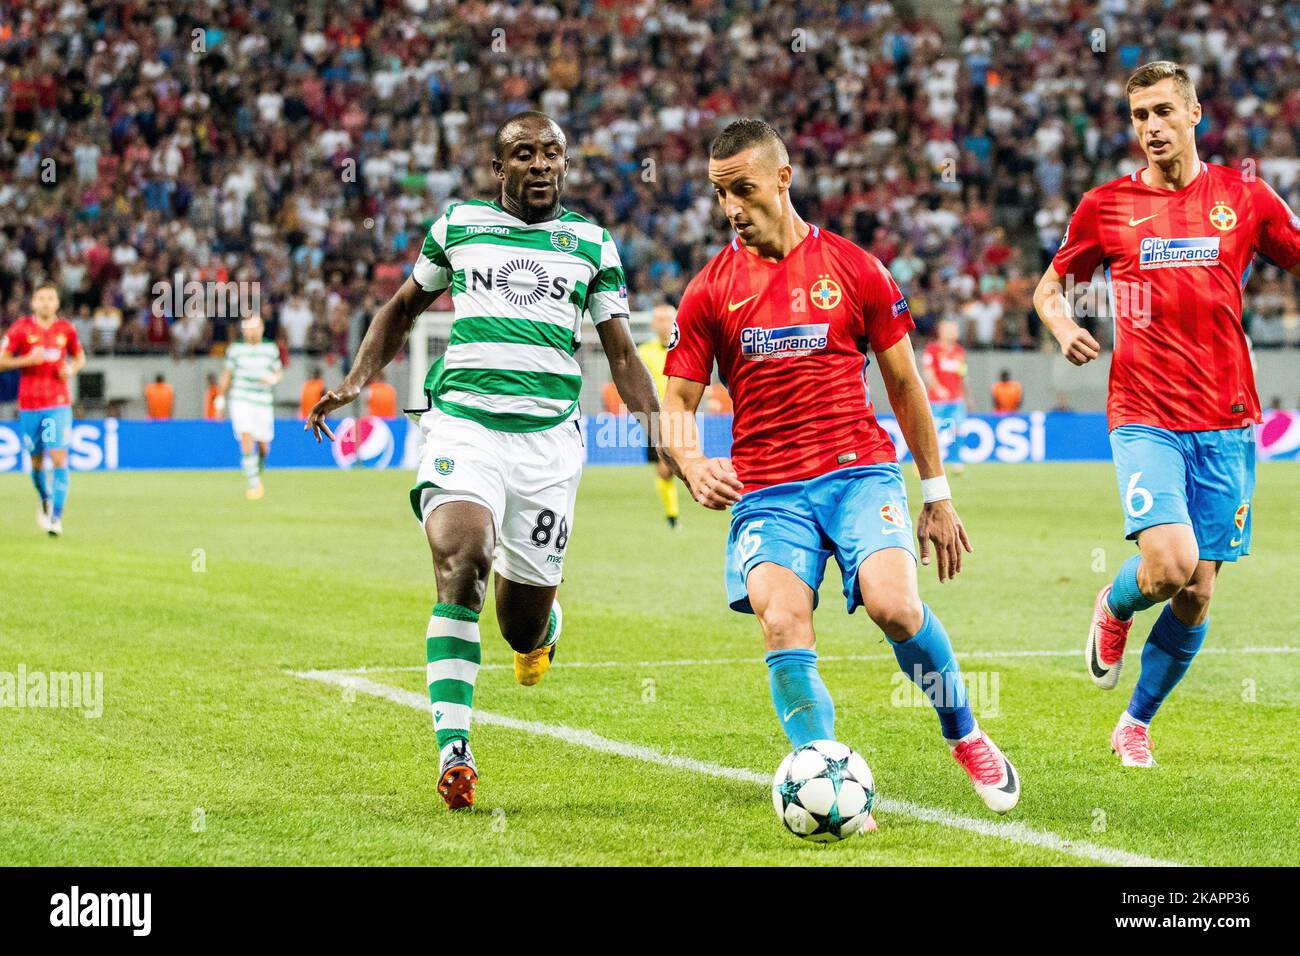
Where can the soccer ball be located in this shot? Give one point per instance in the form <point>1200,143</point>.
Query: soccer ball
<point>824,792</point>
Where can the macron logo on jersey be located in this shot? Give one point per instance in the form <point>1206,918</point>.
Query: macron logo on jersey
<point>759,343</point>
<point>1155,253</point>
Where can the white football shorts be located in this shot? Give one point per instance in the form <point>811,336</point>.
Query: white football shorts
<point>528,480</point>
<point>249,419</point>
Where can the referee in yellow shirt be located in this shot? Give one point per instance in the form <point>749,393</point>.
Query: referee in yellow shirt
<point>654,352</point>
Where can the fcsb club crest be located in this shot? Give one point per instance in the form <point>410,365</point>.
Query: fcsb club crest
<point>1239,519</point>
<point>564,240</point>
<point>891,514</point>
<point>1222,216</point>
<point>825,293</point>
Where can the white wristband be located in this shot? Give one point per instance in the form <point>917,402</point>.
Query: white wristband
<point>935,489</point>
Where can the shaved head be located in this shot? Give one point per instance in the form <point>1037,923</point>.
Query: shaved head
<point>522,126</point>
<point>754,134</point>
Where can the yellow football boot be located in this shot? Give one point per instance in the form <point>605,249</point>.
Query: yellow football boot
<point>530,668</point>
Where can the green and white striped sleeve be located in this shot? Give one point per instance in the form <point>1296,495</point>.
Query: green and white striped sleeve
<point>432,268</point>
<point>607,294</point>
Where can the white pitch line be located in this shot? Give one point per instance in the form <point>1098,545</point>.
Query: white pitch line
<point>827,658</point>
<point>1011,832</point>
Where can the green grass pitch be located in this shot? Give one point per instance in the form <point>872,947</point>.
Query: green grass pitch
<point>198,607</point>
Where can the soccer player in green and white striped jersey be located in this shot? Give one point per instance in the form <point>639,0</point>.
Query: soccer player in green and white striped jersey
<point>248,385</point>
<point>502,457</point>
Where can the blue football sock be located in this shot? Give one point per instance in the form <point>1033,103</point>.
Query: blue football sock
<point>1125,599</point>
<point>802,703</point>
<point>42,489</point>
<point>60,492</point>
<point>1165,658</point>
<point>926,657</point>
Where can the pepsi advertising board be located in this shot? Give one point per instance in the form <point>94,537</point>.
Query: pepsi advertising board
<point>369,442</point>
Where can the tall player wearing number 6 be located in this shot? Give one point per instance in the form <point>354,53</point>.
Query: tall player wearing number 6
<point>1177,239</point>
<point>789,312</point>
<point>499,473</point>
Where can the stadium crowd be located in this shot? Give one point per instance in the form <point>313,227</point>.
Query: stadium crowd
<point>301,149</point>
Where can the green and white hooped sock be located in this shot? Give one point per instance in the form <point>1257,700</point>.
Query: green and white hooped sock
<point>454,654</point>
<point>252,471</point>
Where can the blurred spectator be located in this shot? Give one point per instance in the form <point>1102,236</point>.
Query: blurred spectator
<point>104,325</point>
<point>612,401</point>
<point>9,387</point>
<point>382,400</point>
<point>210,396</point>
<point>190,334</point>
<point>296,319</point>
<point>719,399</point>
<point>159,398</point>
<point>312,389</point>
<point>1007,393</point>
<point>981,317</point>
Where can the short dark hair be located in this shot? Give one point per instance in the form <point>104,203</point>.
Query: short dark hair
<point>744,133</point>
<point>1149,74</point>
<point>499,141</point>
<point>46,285</point>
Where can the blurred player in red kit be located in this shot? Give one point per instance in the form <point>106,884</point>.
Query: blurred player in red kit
<point>943,364</point>
<point>45,347</point>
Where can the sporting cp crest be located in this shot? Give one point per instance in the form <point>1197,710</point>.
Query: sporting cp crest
<point>443,466</point>
<point>565,240</point>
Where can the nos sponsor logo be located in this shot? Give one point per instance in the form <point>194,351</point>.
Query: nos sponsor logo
<point>1155,253</point>
<point>91,446</point>
<point>759,343</point>
<point>363,443</point>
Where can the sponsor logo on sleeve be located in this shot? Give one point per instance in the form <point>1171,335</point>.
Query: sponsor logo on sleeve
<point>674,337</point>
<point>900,307</point>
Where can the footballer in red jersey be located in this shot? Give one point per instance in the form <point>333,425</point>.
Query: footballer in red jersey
<point>943,364</point>
<point>789,314</point>
<point>45,347</point>
<point>1176,240</point>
